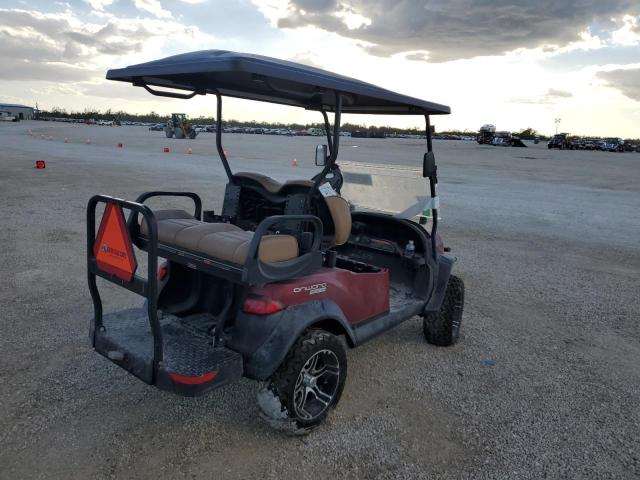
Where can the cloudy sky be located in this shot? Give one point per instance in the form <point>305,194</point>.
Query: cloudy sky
<point>516,64</point>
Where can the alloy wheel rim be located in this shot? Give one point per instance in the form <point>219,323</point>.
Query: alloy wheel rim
<point>316,385</point>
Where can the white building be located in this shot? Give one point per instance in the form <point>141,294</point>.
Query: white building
<point>22,112</point>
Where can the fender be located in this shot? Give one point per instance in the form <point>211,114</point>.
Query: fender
<point>280,331</point>
<point>445,266</point>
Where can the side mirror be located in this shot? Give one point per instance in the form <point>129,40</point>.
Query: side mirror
<point>429,168</point>
<point>321,155</point>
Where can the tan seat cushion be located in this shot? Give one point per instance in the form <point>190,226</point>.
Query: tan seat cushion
<point>169,228</point>
<point>169,222</point>
<point>233,246</point>
<point>192,237</point>
<point>341,216</point>
<point>219,240</point>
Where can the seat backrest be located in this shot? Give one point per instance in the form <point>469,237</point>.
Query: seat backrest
<point>268,183</point>
<point>341,216</point>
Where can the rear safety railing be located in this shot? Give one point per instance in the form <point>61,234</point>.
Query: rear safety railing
<point>197,201</point>
<point>147,288</point>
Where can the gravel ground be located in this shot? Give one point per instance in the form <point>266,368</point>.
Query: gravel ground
<point>543,384</point>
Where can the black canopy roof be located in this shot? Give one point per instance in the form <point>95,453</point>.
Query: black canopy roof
<point>266,79</point>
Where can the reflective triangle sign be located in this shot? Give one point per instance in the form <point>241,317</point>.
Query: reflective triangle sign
<point>113,249</point>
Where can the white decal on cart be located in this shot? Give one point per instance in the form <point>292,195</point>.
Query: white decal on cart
<point>311,289</point>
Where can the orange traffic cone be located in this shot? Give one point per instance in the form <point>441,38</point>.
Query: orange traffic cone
<point>189,151</point>
<point>66,140</point>
<point>165,149</point>
<point>88,142</point>
<point>40,164</point>
<point>120,145</point>
<point>294,163</point>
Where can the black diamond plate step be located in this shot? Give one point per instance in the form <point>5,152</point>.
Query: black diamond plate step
<point>187,347</point>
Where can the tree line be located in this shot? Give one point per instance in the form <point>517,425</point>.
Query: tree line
<point>154,117</point>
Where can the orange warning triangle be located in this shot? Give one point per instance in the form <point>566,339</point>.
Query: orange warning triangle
<point>112,248</point>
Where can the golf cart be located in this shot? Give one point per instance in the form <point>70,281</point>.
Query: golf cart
<point>288,275</point>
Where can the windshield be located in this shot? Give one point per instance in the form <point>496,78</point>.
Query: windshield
<point>392,189</point>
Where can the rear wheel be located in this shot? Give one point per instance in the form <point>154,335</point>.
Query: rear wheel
<point>442,328</point>
<point>308,383</point>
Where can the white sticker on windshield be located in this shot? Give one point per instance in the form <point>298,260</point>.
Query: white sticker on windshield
<point>422,207</point>
<point>327,190</point>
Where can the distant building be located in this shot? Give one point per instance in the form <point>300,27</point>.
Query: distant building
<point>22,112</point>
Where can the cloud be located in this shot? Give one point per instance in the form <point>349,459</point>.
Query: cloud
<point>99,4</point>
<point>417,57</point>
<point>59,47</point>
<point>456,29</point>
<point>61,37</point>
<point>307,58</point>
<point>629,33</point>
<point>549,97</point>
<point>60,72</point>
<point>553,93</point>
<point>625,80</point>
<point>153,7</point>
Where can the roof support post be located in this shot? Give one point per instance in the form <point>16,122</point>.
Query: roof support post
<point>336,129</point>
<point>427,120</point>
<point>327,129</point>
<point>433,180</point>
<point>223,156</point>
<point>334,143</point>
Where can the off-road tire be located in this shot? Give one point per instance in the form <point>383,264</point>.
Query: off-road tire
<point>283,381</point>
<point>442,328</point>
<point>179,132</point>
<point>168,132</point>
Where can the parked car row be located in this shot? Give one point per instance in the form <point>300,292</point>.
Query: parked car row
<point>267,131</point>
<point>563,141</point>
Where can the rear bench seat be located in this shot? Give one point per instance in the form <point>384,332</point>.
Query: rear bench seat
<point>223,241</point>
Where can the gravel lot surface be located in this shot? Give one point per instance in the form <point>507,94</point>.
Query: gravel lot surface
<point>544,383</point>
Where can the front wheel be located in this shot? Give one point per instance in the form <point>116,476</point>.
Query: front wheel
<point>308,383</point>
<point>442,328</point>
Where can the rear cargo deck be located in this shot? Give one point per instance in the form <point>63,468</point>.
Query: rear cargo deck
<point>189,358</point>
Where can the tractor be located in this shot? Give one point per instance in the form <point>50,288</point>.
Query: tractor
<point>179,127</point>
